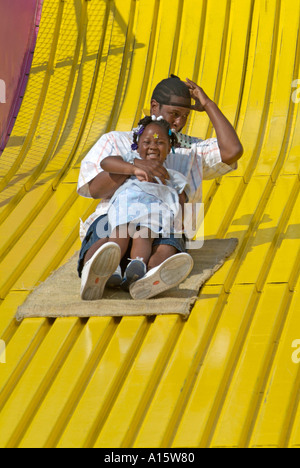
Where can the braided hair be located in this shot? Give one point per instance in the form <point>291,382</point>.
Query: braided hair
<point>137,132</point>
<point>167,90</point>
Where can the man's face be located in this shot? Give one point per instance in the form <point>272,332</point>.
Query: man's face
<point>175,115</point>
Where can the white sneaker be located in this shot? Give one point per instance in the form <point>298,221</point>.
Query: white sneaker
<point>168,275</point>
<point>97,271</point>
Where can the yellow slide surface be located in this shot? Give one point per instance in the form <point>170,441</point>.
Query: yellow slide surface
<point>229,376</point>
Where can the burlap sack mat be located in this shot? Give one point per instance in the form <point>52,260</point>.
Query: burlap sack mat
<point>59,295</point>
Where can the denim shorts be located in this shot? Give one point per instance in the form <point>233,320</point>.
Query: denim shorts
<point>92,236</point>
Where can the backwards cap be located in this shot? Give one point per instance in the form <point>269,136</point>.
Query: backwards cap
<point>172,92</point>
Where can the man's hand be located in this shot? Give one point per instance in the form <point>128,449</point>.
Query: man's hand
<point>152,169</point>
<point>201,99</point>
<point>230,146</point>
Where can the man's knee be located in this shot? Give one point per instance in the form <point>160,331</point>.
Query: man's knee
<point>160,254</point>
<point>93,249</point>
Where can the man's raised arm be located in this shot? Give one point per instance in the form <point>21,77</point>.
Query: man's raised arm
<point>230,146</point>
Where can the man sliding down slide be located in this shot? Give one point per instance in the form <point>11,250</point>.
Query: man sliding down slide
<point>194,158</point>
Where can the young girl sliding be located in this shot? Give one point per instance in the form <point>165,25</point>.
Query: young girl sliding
<point>143,209</point>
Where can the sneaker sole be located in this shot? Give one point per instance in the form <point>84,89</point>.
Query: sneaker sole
<point>134,272</point>
<point>114,282</point>
<point>103,265</point>
<point>172,272</point>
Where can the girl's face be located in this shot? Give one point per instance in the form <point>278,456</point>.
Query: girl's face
<point>154,143</point>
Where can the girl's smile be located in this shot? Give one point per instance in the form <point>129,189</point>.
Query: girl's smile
<point>154,143</point>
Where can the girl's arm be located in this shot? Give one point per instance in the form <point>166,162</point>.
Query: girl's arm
<point>104,185</point>
<point>117,165</point>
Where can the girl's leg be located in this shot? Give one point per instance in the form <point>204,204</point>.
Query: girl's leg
<point>142,245</point>
<point>139,254</point>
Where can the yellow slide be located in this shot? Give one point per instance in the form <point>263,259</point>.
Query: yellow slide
<point>229,376</point>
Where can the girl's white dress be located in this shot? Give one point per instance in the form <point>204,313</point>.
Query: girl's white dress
<point>152,205</point>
